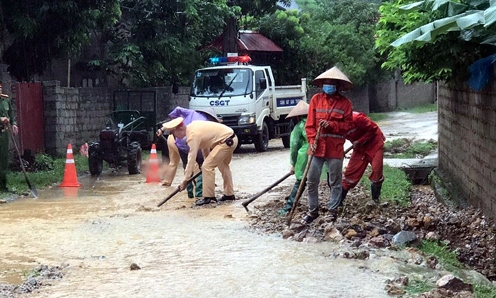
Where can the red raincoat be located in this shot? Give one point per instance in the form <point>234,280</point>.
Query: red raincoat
<point>337,110</point>
<point>366,134</point>
<point>368,141</point>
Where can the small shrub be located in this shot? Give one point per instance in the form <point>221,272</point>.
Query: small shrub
<point>397,145</point>
<point>482,291</point>
<point>421,148</point>
<point>447,258</point>
<point>395,188</point>
<point>416,286</point>
<point>43,162</point>
<point>406,148</point>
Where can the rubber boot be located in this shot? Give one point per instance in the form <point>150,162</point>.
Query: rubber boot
<point>199,187</point>
<point>375,189</point>
<point>190,188</point>
<point>343,196</point>
<point>290,199</point>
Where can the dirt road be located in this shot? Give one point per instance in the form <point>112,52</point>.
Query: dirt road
<point>113,222</point>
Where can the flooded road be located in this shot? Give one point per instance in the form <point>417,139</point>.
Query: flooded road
<point>100,229</point>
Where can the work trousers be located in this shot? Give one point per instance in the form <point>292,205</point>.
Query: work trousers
<point>334,181</point>
<point>4,159</point>
<point>174,157</point>
<point>358,164</point>
<point>220,157</point>
<point>292,196</point>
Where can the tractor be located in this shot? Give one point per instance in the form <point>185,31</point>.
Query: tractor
<point>120,143</point>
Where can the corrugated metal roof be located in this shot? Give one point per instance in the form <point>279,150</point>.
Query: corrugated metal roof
<point>253,41</point>
<point>249,41</point>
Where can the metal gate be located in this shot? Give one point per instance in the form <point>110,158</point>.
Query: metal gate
<point>29,107</point>
<point>143,101</point>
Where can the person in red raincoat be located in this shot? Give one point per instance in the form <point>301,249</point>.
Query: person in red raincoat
<point>368,148</point>
<point>330,114</point>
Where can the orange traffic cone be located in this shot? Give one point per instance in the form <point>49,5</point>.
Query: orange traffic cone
<point>153,174</point>
<point>70,175</point>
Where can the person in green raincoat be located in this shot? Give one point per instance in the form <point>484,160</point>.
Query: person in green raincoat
<point>7,116</point>
<point>298,149</point>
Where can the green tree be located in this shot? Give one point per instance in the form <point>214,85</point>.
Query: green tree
<point>436,39</point>
<point>244,9</point>
<point>324,34</point>
<point>285,29</point>
<point>162,40</point>
<point>341,33</point>
<point>36,32</point>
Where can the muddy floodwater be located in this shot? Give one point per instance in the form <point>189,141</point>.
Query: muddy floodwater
<point>111,222</point>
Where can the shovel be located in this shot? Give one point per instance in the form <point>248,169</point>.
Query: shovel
<point>33,190</point>
<point>177,190</point>
<point>348,150</point>
<point>303,181</point>
<point>247,202</point>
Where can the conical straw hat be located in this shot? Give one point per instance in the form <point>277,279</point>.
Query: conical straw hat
<point>209,113</point>
<point>300,109</point>
<point>334,74</point>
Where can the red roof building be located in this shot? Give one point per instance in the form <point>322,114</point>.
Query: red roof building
<point>249,41</point>
<point>252,43</point>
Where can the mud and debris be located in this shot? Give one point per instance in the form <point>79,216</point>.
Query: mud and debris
<point>41,276</point>
<point>362,228</point>
<point>361,223</point>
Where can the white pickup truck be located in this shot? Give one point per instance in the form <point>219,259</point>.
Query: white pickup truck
<point>246,99</point>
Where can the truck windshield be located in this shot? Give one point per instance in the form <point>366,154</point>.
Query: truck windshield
<point>225,82</point>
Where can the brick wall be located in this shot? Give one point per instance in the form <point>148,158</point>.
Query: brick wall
<point>77,115</point>
<point>467,138</point>
<point>394,94</point>
<point>73,115</point>
<point>388,96</point>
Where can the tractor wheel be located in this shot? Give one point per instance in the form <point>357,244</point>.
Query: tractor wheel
<point>262,139</point>
<point>94,161</point>
<point>134,158</point>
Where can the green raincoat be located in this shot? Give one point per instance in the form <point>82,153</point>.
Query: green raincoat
<point>298,157</point>
<point>298,148</point>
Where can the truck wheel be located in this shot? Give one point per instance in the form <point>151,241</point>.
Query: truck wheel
<point>94,161</point>
<point>262,139</point>
<point>134,158</point>
<point>286,139</point>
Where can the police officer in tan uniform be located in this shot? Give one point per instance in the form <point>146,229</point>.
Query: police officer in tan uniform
<point>217,143</point>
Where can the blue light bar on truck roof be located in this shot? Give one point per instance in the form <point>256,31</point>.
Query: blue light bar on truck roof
<point>233,59</point>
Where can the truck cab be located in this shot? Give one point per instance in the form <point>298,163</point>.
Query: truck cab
<point>246,99</point>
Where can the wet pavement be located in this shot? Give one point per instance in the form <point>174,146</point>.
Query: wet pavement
<point>417,127</point>
<point>183,251</point>
<point>101,228</point>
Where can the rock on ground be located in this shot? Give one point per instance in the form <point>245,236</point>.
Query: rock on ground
<point>361,222</point>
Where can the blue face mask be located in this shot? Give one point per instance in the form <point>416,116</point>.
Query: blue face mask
<point>329,89</point>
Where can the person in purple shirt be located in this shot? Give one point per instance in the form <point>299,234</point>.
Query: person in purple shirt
<point>178,148</point>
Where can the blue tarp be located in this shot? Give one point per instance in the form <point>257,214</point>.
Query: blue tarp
<point>481,72</point>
